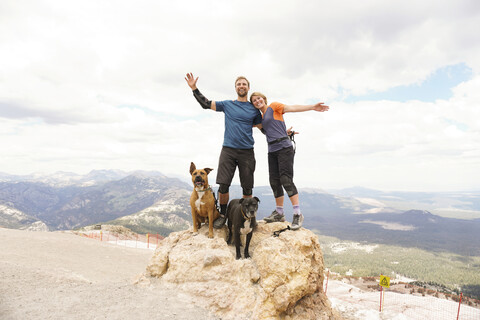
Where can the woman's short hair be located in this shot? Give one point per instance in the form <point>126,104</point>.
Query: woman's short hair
<point>260,95</point>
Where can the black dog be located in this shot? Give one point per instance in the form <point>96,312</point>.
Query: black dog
<point>242,215</point>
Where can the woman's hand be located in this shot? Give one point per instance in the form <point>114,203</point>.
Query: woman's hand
<point>290,132</point>
<point>320,107</point>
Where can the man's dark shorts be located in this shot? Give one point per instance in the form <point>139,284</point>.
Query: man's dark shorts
<point>230,158</point>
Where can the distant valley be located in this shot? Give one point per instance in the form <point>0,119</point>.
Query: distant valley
<point>151,202</point>
<point>460,205</point>
<point>66,201</point>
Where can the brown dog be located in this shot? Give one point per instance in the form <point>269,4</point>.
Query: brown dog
<point>202,200</point>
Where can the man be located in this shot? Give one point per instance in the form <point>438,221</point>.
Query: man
<point>237,149</point>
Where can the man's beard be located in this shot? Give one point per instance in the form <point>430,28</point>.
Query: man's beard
<point>242,94</point>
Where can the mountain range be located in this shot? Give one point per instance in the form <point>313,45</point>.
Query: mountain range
<point>152,202</point>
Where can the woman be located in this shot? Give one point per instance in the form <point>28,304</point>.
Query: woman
<point>281,154</point>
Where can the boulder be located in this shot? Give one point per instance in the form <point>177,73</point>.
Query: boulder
<point>283,279</point>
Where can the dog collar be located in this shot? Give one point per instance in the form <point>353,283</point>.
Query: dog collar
<point>244,215</point>
<point>207,189</point>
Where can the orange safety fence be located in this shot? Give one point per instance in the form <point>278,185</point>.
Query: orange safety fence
<point>411,301</point>
<point>133,240</point>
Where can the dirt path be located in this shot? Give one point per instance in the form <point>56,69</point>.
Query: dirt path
<point>53,275</point>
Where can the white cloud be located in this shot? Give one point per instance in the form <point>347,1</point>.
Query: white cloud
<point>94,84</point>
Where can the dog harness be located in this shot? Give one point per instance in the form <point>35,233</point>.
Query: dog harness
<point>203,192</point>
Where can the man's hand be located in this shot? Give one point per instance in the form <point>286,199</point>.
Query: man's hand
<point>320,107</point>
<point>191,81</point>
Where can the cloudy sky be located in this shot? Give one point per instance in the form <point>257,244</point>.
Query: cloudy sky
<point>90,85</point>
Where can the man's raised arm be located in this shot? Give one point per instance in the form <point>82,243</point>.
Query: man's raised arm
<point>204,102</point>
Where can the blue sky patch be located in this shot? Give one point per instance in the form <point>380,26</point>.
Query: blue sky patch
<point>437,86</point>
<point>459,125</point>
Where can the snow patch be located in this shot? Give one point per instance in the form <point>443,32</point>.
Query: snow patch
<point>341,247</point>
<point>370,202</point>
<point>391,225</point>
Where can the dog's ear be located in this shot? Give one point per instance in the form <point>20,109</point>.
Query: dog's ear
<point>258,200</point>
<point>207,170</point>
<point>192,167</point>
<point>241,200</point>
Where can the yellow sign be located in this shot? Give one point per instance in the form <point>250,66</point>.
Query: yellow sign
<point>385,281</point>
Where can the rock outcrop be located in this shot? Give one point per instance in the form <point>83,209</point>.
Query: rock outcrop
<point>282,280</point>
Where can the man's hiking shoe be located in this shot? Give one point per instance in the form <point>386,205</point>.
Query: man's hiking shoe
<point>218,224</point>
<point>274,217</point>
<point>297,221</point>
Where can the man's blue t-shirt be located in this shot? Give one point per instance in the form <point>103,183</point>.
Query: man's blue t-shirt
<point>240,117</point>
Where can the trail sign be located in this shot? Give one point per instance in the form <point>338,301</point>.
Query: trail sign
<point>385,281</point>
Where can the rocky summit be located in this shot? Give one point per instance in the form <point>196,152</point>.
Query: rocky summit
<point>283,279</point>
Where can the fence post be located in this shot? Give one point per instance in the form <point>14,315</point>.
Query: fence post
<point>459,304</point>
<point>326,284</point>
<point>148,240</point>
<point>381,294</point>
<point>101,236</point>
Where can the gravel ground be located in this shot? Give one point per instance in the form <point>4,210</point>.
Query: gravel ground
<point>56,275</point>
